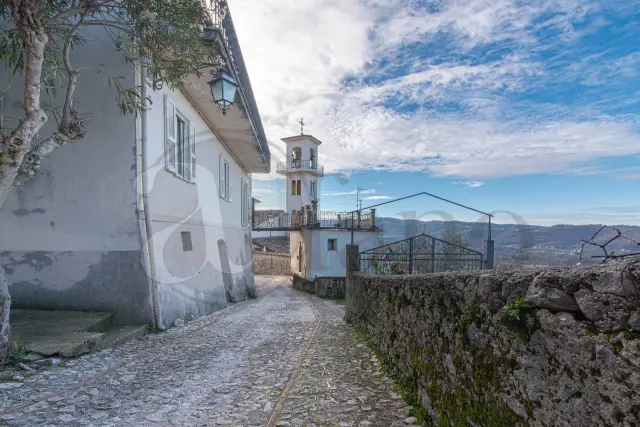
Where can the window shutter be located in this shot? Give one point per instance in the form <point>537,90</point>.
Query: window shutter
<point>192,150</point>
<point>229,182</point>
<point>170,134</point>
<point>248,194</point>
<point>242,204</point>
<point>222,177</point>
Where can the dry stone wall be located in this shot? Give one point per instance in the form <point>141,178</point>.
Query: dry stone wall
<point>324,287</point>
<point>542,347</point>
<point>5,304</point>
<point>271,264</point>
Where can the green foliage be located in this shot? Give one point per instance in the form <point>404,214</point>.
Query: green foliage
<point>396,268</point>
<point>164,35</point>
<point>512,314</point>
<point>469,314</point>
<point>17,353</point>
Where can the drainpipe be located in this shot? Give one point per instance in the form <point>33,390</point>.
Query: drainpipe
<point>143,204</point>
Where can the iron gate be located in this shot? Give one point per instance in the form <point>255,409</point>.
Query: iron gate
<point>419,255</point>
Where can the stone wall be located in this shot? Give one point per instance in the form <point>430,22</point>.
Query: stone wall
<point>5,304</point>
<point>324,287</point>
<point>535,347</point>
<point>271,264</point>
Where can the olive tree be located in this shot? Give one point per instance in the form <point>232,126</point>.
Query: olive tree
<point>37,40</point>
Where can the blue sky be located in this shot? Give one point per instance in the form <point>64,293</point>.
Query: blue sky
<point>527,107</point>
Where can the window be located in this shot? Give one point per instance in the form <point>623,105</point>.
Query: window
<point>246,203</point>
<point>225,183</point>
<point>314,190</point>
<point>332,244</point>
<point>293,187</point>
<point>299,189</point>
<point>180,143</point>
<point>181,134</point>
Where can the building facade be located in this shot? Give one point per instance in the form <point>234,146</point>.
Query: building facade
<point>317,239</point>
<point>148,216</point>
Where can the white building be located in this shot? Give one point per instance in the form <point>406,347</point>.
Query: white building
<point>317,239</point>
<point>148,216</point>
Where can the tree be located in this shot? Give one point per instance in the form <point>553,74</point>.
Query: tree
<point>453,249</point>
<point>37,39</point>
<point>449,254</point>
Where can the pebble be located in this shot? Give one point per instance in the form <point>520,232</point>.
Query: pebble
<point>411,420</point>
<point>228,368</point>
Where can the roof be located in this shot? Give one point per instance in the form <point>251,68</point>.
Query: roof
<point>299,138</point>
<point>279,244</point>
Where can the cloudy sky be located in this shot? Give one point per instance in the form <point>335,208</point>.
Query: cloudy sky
<point>526,107</point>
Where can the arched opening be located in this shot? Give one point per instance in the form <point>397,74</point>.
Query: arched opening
<point>293,188</point>
<point>312,158</point>
<point>225,266</point>
<point>296,157</point>
<point>299,189</point>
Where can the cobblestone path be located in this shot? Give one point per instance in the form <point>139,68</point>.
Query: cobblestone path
<point>285,359</point>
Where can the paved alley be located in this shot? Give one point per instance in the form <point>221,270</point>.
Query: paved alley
<point>285,359</point>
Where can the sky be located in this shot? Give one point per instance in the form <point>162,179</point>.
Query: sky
<point>524,108</point>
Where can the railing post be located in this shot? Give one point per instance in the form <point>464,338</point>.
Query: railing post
<point>339,222</point>
<point>358,219</point>
<point>309,216</point>
<point>373,218</point>
<point>433,255</point>
<point>411,255</point>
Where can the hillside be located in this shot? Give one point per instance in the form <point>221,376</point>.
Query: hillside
<point>523,244</point>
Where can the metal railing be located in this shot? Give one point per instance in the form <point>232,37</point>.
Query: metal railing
<point>269,220</point>
<point>300,164</point>
<point>419,255</point>
<point>219,19</point>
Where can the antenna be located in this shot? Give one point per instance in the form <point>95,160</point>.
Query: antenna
<point>358,201</point>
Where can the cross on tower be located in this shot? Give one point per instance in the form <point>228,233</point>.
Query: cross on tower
<point>301,126</point>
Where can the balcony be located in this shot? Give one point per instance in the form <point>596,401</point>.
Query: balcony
<point>300,166</point>
<point>307,218</point>
<point>240,130</point>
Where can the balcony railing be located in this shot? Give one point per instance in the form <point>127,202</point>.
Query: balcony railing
<point>219,20</point>
<point>307,218</point>
<point>293,165</point>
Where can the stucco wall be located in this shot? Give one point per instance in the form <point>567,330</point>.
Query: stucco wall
<point>198,281</point>
<point>69,236</point>
<point>534,347</point>
<point>318,261</point>
<point>271,264</point>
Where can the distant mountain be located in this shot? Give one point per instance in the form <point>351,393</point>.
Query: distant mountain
<point>524,244</point>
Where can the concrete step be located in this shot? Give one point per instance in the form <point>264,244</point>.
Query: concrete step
<point>121,334</point>
<point>69,333</point>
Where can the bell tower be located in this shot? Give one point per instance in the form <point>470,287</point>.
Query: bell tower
<point>301,171</point>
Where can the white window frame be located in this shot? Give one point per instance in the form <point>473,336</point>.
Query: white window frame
<point>225,179</point>
<point>188,155</point>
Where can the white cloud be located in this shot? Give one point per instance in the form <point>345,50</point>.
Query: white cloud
<point>470,184</point>
<point>378,198</point>
<point>350,193</point>
<point>299,52</point>
<point>267,190</point>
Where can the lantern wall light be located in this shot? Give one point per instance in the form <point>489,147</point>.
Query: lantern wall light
<point>223,89</point>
